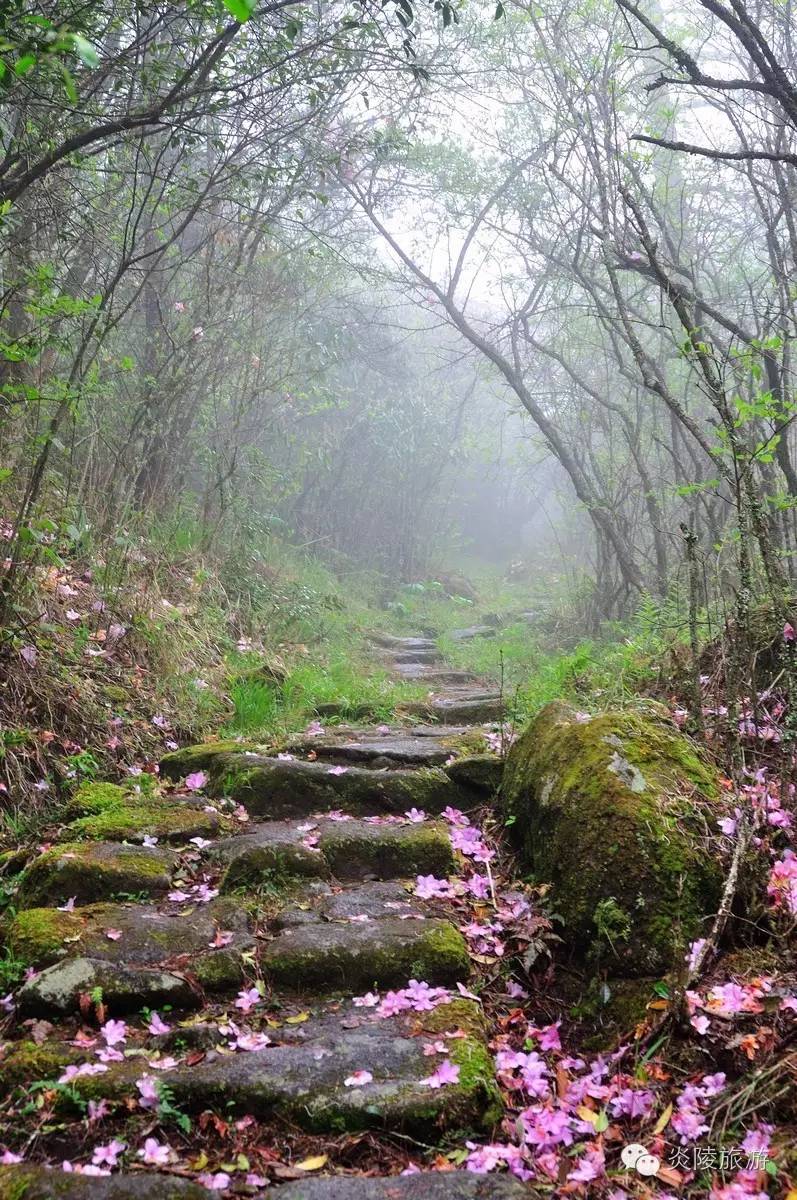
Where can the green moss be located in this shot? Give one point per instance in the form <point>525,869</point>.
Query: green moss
<point>477,1078</point>
<point>308,958</point>
<point>272,789</point>
<point>456,1014</point>
<point>217,971</point>
<point>167,819</point>
<point>274,868</point>
<point>472,742</point>
<point>26,1062</point>
<point>90,872</point>
<point>37,936</point>
<point>96,798</point>
<point>387,853</point>
<point>203,757</point>
<point>614,811</point>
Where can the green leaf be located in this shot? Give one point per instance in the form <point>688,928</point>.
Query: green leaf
<point>24,64</point>
<point>69,85</point>
<point>240,9</point>
<point>85,51</point>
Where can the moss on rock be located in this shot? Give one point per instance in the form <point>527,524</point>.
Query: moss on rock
<point>456,1014</point>
<point>611,811</point>
<point>202,757</point>
<point>39,936</point>
<point>354,850</point>
<point>386,953</point>
<point>135,818</point>
<point>479,773</point>
<point>24,1063</point>
<point>96,798</point>
<point>93,871</point>
<point>272,788</point>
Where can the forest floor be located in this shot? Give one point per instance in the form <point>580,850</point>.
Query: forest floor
<point>310,965</point>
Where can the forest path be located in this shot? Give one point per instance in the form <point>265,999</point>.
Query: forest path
<point>300,972</point>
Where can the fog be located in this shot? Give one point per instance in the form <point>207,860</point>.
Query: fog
<point>416,289</point>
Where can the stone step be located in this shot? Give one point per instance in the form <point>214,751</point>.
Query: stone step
<point>420,656</point>
<point>399,748</point>
<point>389,642</point>
<point>274,788</point>
<point>474,631</point>
<point>416,672</point>
<point>330,956</point>
<point>86,872</point>
<point>465,709</point>
<point>373,901</point>
<point>41,1183</point>
<point>341,849</point>
<point>426,1185</point>
<point>106,812</point>
<point>123,946</point>
<point>301,1077</point>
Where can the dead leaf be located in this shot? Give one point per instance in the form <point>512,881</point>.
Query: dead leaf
<point>40,1031</point>
<point>663,1120</point>
<point>297,1018</point>
<point>315,1163</point>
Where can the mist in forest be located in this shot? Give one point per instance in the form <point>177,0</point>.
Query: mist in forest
<point>411,286</point>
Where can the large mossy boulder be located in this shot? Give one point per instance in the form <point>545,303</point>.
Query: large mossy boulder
<point>612,811</point>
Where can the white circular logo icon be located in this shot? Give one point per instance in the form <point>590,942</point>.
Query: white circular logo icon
<point>636,1157</point>
<point>648,1164</point>
<point>631,1155</point>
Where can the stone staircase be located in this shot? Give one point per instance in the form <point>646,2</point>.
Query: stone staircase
<point>290,870</point>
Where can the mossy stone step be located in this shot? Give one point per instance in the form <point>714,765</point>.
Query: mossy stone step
<point>106,812</point>
<point>366,902</point>
<point>426,1185</point>
<point>465,709</point>
<point>92,871</point>
<point>338,955</point>
<point>411,656</point>
<point>390,642</point>
<point>479,773</point>
<point>59,990</point>
<point>434,675</point>
<point>274,788</point>
<point>131,937</point>
<point>275,852</point>
<point>398,748</point>
<point>304,1079</point>
<point>23,1182</point>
